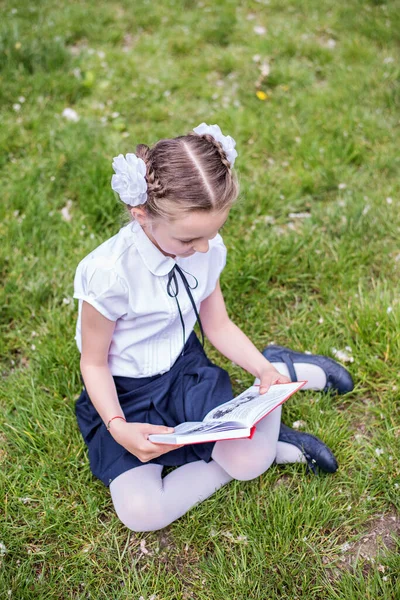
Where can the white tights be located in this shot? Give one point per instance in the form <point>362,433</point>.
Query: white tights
<point>145,501</point>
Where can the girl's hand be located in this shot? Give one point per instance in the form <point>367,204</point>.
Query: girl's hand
<point>270,376</point>
<point>134,437</point>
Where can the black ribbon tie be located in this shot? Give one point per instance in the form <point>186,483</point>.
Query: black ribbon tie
<point>173,290</point>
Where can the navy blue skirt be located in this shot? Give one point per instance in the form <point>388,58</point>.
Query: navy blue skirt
<point>187,392</point>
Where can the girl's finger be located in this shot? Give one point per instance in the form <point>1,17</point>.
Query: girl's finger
<point>264,388</point>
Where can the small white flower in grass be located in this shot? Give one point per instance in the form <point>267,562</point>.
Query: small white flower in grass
<point>389,200</point>
<point>21,99</point>
<point>346,546</point>
<point>256,58</point>
<point>341,355</point>
<point>66,215</point>
<point>213,533</point>
<point>16,107</point>
<point>331,43</point>
<point>366,209</point>
<point>3,549</point>
<point>349,507</point>
<point>320,320</point>
<point>388,60</point>
<point>385,578</point>
<point>342,186</point>
<point>115,115</point>
<point>265,69</point>
<point>307,352</point>
<point>26,500</point>
<point>259,30</point>
<point>67,301</point>
<point>299,425</point>
<point>101,54</point>
<point>33,347</point>
<point>250,17</point>
<point>348,348</point>
<point>379,451</point>
<point>396,485</point>
<point>297,139</point>
<point>70,114</point>
<point>300,215</point>
<point>389,310</point>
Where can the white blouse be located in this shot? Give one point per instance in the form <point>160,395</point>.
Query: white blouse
<point>126,279</point>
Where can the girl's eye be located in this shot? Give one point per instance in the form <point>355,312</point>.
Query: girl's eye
<point>191,241</point>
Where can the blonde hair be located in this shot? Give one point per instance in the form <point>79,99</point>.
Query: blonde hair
<point>187,173</point>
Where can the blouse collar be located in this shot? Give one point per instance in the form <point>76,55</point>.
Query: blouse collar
<point>153,258</point>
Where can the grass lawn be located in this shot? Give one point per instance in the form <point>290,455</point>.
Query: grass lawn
<point>310,92</point>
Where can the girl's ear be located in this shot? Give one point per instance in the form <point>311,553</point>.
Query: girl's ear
<point>139,214</point>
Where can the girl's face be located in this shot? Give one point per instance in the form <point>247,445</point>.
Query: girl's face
<point>185,236</point>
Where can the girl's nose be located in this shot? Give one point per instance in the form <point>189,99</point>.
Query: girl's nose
<point>201,246</point>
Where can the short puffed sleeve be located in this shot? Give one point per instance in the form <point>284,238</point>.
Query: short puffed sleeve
<point>97,282</point>
<point>217,262</point>
<point>220,248</point>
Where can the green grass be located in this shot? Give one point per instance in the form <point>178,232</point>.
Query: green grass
<point>324,142</point>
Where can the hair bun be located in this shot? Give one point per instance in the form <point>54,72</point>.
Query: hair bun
<point>143,152</point>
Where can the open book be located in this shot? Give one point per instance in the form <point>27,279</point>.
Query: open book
<point>231,420</point>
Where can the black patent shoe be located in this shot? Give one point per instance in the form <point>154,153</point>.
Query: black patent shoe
<point>317,454</point>
<point>337,377</point>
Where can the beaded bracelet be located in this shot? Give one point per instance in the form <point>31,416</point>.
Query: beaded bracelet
<point>118,417</point>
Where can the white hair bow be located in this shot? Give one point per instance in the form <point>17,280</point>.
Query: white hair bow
<point>227,142</point>
<point>129,179</point>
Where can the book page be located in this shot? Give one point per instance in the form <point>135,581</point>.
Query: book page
<point>250,406</point>
<point>190,428</point>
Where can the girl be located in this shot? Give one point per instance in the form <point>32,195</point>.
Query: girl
<point>143,368</point>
